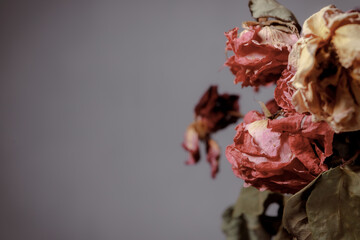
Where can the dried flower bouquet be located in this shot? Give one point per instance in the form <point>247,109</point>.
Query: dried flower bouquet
<point>302,150</point>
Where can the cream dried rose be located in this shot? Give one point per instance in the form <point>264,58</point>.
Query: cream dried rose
<point>327,80</point>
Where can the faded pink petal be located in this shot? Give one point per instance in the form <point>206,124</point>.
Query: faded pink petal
<point>191,144</point>
<point>213,156</point>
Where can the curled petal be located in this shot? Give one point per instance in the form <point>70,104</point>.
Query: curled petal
<point>213,156</point>
<point>191,144</point>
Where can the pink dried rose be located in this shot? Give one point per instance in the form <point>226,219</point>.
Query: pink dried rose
<point>281,155</point>
<point>327,80</point>
<point>260,51</point>
<point>212,113</point>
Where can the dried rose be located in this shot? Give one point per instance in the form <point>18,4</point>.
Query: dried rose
<point>327,80</point>
<point>212,113</point>
<point>260,51</point>
<point>281,155</point>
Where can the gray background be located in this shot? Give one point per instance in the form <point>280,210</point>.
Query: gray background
<point>94,100</point>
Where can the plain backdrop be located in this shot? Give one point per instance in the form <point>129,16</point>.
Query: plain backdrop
<point>95,97</point>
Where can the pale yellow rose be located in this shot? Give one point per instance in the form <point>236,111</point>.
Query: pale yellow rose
<point>327,59</point>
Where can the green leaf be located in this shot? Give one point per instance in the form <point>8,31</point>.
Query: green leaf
<point>250,201</point>
<point>333,206</point>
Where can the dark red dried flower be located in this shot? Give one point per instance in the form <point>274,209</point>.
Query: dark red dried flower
<point>212,113</point>
<point>217,111</point>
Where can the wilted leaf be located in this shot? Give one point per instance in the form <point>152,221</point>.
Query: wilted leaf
<point>333,206</point>
<point>283,235</point>
<point>328,208</point>
<point>234,228</point>
<point>243,227</point>
<point>255,228</point>
<point>250,201</point>
<point>295,219</point>
<point>251,206</point>
<point>273,9</point>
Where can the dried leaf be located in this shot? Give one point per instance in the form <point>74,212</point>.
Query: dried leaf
<point>333,207</point>
<point>250,201</point>
<point>295,219</point>
<point>283,235</point>
<point>251,206</point>
<point>273,9</point>
<point>234,228</point>
<point>328,208</point>
<point>256,230</point>
<point>243,227</point>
